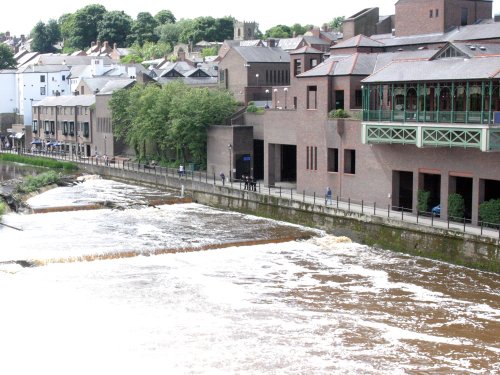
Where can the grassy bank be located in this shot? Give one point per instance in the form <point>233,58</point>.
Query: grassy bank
<point>39,162</point>
<point>33,183</point>
<point>2,209</point>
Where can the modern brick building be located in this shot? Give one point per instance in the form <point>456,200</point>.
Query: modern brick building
<point>424,115</point>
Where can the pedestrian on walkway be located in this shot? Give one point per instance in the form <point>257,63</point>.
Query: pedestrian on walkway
<point>223,178</point>
<point>181,170</point>
<point>328,197</point>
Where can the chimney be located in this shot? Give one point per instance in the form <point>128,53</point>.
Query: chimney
<point>106,45</point>
<point>92,44</point>
<point>23,38</point>
<point>7,34</point>
<point>114,46</point>
<point>325,27</point>
<point>98,46</point>
<point>271,42</point>
<point>315,32</point>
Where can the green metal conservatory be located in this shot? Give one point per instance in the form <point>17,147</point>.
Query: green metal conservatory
<point>451,102</point>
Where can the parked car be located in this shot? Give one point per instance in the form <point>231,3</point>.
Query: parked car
<point>436,210</point>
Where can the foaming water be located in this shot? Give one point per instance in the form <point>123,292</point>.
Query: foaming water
<point>318,306</point>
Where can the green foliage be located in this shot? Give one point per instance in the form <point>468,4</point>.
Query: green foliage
<point>209,51</point>
<point>169,118</point>
<point>6,57</point>
<point>338,113</point>
<point>336,23</point>
<point>82,28</point>
<point>423,197</point>
<point>143,29</point>
<point>279,31</point>
<point>33,183</point>
<point>298,29</point>
<point>131,58</point>
<point>114,27</point>
<point>170,32</point>
<point>164,16</point>
<point>489,211</point>
<point>2,208</point>
<point>40,162</point>
<point>252,108</point>
<point>456,206</point>
<point>206,28</point>
<point>45,36</point>
<point>150,50</point>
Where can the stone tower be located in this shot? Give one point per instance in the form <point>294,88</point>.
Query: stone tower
<point>244,30</point>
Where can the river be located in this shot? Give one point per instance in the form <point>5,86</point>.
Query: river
<point>319,305</point>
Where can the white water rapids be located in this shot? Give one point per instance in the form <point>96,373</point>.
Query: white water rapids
<point>317,306</point>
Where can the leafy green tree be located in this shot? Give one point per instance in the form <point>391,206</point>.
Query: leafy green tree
<point>45,36</point>
<point>53,31</point>
<point>224,29</point>
<point>169,32</point>
<point>209,51</point>
<point>114,27</point>
<point>336,23</point>
<point>82,27</point>
<point>298,29</point>
<point>279,31</point>
<point>6,57</point>
<point>164,16</point>
<point>143,29</point>
<point>206,28</point>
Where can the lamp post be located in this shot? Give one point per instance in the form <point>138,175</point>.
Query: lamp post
<point>286,92</point>
<point>275,97</point>
<point>105,145</point>
<point>230,148</point>
<point>267,98</point>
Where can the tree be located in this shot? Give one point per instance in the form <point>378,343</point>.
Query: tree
<point>6,57</point>
<point>143,29</point>
<point>169,32</point>
<point>41,42</point>
<point>164,17</point>
<point>336,23</point>
<point>298,29</point>
<point>114,27</point>
<point>224,29</point>
<point>82,28</point>
<point>209,51</point>
<point>279,31</point>
<point>53,31</point>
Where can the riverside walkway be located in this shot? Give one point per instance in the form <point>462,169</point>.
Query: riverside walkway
<point>288,193</point>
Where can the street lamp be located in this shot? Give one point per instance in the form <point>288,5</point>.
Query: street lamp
<point>267,98</point>
<point>286,92</point>
<point>275,97</point>
<point>230,148</point>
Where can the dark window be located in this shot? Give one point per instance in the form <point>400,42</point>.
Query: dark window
<point>42,78</point>
<point>358,98</point>
<point>339,99</point>
<point>86,129</point>
<point>307,158</point>
<point>52,127</point>
<point>42,90</point>
<point>35,126</point>
<point>437,13</point>
<point>315,158</point>
<point>71,128</point>
<point>47,127</point>
<point>65,127</point>
<point>430,13</point>
<point>465,16</point>
<point>297,67</point>
<point>314,62</point>
<point>333,160</point>
<point>350,161</point>
<point>311,97</point>
<point>63,77</point>
<point>82,91</point>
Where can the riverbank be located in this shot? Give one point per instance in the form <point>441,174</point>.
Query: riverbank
<point>382,230</point>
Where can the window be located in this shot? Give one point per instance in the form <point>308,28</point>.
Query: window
<point>358,98</point>
<point>42,78</point>
<point>42,90</point>
<point>52,127</point>
<point>65,127</point>
<point>333,160</point>
<point>297,67</point>
<point>47,127</point>
<point>35,126</point>
<point>430,13</point>
<point>71,128</point>
<point>314,62</point>
<point>63,77</point>
<point>350,161</point>
<point>311,158</point>
<point>82,90</point>
<point>311,97</point>
<point>464,17</point>
<point>86,129</point>
<point>437,13</point>
<point>307,157</point>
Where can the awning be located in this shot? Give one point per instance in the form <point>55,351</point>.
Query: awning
<point>17,135</point>
<point>36,142</point>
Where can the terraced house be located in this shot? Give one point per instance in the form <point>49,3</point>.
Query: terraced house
<point>424,113</point>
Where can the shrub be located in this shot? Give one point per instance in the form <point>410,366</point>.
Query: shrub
<point>40,162</point>
<point>489,211</point>
<point>2,208</point>
<point>456,206</point>
<point>338,113</point>
<point>33,183</point>
<point>252,108</point>
<point>423,197</point>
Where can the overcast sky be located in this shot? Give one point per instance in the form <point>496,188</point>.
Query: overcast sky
<point>20,17</point>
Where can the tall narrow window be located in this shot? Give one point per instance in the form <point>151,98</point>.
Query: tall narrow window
<point>307,157</point>
<point>311,97</point>
<point>430,13</point>
<point>333,160</point>
<point>35,126</point>
<point>297,67</point>
<point>315,158</point>
<point>437,13</point>
<point>42,78</point>
<point>350,161</point>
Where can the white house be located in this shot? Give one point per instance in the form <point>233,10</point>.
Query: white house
<point>9,100</point>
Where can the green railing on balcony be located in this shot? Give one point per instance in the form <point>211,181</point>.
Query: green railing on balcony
<point>444,117</point>
<point>451,137</point>
<point>391,134</point>
<point>494,144</point>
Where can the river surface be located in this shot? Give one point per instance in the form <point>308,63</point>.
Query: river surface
<point>313,306</point>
